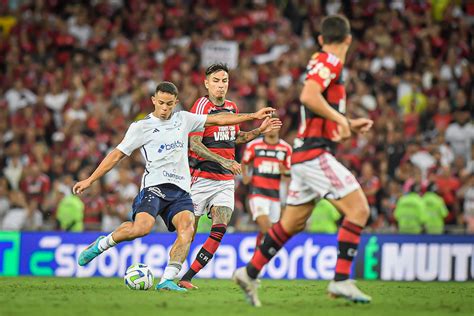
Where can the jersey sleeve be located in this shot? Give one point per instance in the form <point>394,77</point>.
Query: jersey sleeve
<point>323,69</point>
<point>249,154</point>
<point>194,122</point>
<point>133,139</point>
<point>197,109</point>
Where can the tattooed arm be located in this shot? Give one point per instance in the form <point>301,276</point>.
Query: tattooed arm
<point>202,151</point>
<point>223,119</point>
<point>269,124</point>
<point>245,137</point>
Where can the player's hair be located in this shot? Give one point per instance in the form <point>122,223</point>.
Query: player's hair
<point>335,29</point>
<point>167,87</point>
<point>216,67</point>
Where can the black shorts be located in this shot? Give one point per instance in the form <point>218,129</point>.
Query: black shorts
<point>165,200</point>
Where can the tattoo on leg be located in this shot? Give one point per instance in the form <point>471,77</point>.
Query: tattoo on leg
<point>221,214</point>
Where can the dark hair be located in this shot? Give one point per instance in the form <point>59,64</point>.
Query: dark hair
<point>167,87</point>
<point>215,68</point>
<point>335,28</point>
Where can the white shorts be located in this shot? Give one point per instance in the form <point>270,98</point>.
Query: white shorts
<point>261,206</point>
<point>207,193</point>
<point>322,177</point>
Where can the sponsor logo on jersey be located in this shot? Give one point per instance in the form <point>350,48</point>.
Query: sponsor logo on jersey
<point>174,145</point>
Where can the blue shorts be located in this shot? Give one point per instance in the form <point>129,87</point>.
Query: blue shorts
<point>165,200</point>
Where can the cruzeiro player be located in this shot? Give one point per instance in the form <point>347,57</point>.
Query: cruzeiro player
<point>269,158</point>
<point>213,166</point>
<point>315,173</point>
<point>162,138</point>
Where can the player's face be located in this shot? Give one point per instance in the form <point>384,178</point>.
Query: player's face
<point>217,84</point>
<point>164,104</point>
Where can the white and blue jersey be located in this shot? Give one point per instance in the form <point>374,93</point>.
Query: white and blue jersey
<point>166,182</point>
<point>164,146</point>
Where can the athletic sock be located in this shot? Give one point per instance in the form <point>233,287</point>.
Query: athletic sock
<point>272,243</point>
<point>106,243</point>
<point>171,271</point>
<point>207,251</point>
<point>258,241</point>
<point>348,240</point>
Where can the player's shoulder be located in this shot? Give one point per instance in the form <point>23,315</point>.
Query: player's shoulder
<point>231,105</point>
<point>284,144</point>
<point>326,58</point>
<point>200,105</point>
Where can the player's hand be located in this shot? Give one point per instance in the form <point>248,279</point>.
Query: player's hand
<point>361,125</point>
<point>79,187</point>
<point>270,124</point>
<point>263,113</point>
<point>343,132</point>
<point>233,166</point>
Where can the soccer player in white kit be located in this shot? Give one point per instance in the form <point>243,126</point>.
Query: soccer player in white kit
<point>162,137</point>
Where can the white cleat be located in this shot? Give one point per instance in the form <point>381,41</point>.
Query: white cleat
<point>348,290</point>
<point>248,285</point>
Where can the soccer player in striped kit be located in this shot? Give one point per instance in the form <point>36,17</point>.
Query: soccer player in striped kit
<point>315,173</point>
<point>269,157</point>
<point>213,166</point>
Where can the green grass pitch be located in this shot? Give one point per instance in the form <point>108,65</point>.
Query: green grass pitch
<point>109,296</point>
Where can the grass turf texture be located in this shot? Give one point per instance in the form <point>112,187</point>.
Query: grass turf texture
<point>102,296</point>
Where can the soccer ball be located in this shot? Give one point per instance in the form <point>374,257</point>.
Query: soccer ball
<point>138,277</point>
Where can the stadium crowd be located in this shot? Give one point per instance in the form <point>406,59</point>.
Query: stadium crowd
<point>74,74</point>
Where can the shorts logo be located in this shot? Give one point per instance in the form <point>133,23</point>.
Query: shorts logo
<point>156,191</point>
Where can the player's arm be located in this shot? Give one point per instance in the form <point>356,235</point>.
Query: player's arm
<point>311,96</point>
<point>223,119</point>
<point>268,125</point>
<point>201,150</point>
<point>246,177</point>
<point>110,161</point>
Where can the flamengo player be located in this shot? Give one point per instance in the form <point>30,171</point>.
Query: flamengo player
<point>162,138</point>
<point>315,173</point>
<point>213,166</point>
<point>270,159</point>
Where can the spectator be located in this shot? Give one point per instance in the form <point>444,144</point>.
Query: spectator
<point>21,215</point>
<point>435,211</point>
<point>70,213</point>
<point>409,212</point>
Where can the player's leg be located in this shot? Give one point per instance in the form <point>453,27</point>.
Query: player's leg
<point>220,218</point>
<point>221,200</point>
<point>264,224</point>
<point>356,210</point>
<point>292,222</point>
<point>261,209</point>
<point>184,224</point>
<point>142,226</point>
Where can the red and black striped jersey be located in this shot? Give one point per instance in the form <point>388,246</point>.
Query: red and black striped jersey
<point>265,160</point>
<point>219,140</point>
<point>315,132</point>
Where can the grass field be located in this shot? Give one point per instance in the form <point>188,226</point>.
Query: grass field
<point>102,296</point>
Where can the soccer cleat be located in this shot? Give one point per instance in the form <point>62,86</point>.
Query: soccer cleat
<point>248,285</point>
<point>169,285</point>
<point>90,252</point>
<point>187,285</point>
<point>348,290</point>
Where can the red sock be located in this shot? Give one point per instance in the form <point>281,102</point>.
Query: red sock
<point>272,243</point>
<point>348,240</point>
<point>207,251</point>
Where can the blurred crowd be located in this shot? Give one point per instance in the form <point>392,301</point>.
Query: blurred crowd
<point>74,74</point>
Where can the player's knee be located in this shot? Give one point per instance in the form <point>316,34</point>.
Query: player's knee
<point>138,231</point>
<point>186,229</point>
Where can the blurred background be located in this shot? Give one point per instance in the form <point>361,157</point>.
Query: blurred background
<point>75,74</point>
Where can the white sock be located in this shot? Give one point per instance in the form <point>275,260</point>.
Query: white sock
<point>106,243</point>
<point>171,271</point>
